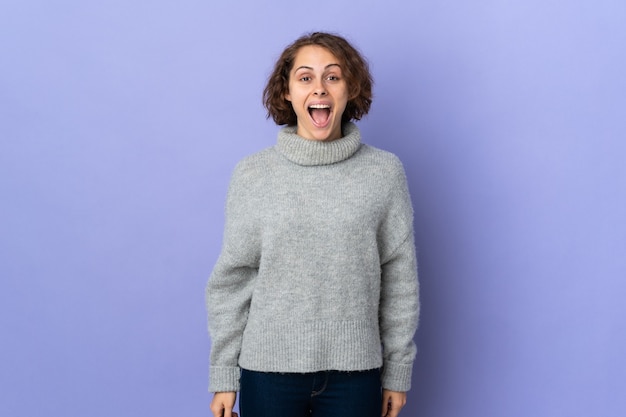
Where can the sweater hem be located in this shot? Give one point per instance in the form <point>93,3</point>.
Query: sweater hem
<point>311,346</point>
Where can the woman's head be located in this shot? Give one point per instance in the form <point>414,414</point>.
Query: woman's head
<point>354,72</point>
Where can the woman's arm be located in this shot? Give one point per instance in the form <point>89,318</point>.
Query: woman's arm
<point>399,300</point>
<point>230,286</point>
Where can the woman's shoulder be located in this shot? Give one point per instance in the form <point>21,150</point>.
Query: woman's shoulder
<point>381,159</point>
<point>255,163</point>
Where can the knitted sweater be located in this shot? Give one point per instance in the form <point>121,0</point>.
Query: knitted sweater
<point>317,269</point>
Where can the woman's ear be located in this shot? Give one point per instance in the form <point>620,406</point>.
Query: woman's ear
<point>287,96</point>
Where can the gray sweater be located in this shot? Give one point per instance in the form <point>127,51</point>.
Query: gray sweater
<point>318,268</point>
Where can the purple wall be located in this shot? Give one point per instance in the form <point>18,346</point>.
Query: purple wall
<point>121,121</point>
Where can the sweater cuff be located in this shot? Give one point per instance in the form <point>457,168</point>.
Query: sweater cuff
<point>224,378</point>
<point>397,376</point>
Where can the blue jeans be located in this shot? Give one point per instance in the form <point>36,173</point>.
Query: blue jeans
<point>319,394</point>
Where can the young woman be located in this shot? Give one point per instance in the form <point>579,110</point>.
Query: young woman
<point>313,302</point>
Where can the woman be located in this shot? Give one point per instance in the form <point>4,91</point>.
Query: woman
<point>313,302</point>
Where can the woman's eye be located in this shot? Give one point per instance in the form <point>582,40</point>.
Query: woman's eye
<point>333,78</point>
<point>305,78</point>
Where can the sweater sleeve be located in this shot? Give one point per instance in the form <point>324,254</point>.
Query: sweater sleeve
<point>229,289</point>
<point>399,299</point>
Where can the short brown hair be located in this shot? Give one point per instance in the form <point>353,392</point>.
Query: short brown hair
<point>354,69</point>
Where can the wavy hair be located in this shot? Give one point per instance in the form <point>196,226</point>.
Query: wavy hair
<point>355,71</point>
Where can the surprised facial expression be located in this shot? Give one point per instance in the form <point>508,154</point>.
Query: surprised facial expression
<point>318,93</point>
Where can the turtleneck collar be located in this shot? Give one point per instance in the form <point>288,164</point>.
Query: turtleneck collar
<point>312,152</point>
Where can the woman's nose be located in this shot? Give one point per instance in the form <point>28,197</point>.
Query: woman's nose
<point>320,90</point>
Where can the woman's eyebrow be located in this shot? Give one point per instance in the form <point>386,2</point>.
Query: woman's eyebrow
<point>311,68</point>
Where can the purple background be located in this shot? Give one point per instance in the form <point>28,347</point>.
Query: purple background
<point>120,123</point>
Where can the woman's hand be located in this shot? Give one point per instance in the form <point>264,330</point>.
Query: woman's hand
<point>393,401</point>
<point>223,403</point>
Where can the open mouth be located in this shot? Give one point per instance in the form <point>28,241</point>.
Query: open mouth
<point>320,113</point>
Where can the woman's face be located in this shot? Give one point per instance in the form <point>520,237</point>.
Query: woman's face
<point>318,93</point>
